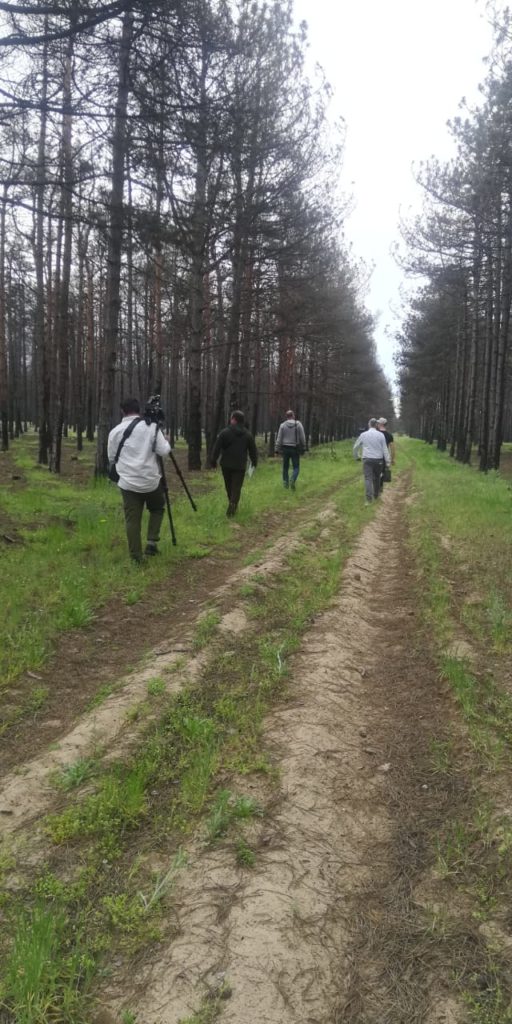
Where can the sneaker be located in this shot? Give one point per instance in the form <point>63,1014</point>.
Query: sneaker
<point>285,484</point>
<point>292,485</point>
<point>151,548</point>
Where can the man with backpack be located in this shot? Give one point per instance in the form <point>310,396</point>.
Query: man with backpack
<point>133,450</point>
<point>291,444</point>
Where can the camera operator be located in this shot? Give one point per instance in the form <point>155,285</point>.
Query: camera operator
<point>134,446</point>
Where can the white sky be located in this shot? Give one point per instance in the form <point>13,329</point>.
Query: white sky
<point>399,69</point>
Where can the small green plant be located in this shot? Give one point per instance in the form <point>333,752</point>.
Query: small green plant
<point>205,629</point>
<point>227,809</point>
<point>500,620</point>
<point>245,857</point>
<point>36,699</point>
<point>127,1017</point>
<point>441,752</point>
<point>75,614</point>
<point>138,711</point>
<point>156,687</point>
<point>163,883</point>
<point>100,696</point>
<point>74,775</point>
<point>220,817</point>
<point>211,1007</point>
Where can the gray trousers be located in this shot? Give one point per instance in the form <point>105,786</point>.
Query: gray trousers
<point>372,469</point>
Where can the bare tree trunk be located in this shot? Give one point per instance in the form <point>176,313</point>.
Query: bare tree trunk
<point>4,394</point>
<point>112,298</point>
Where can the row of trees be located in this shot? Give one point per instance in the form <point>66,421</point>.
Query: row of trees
<point>454,361</point>
<point>170,222</point>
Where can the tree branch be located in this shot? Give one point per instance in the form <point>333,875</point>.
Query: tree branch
<point>105,14</point>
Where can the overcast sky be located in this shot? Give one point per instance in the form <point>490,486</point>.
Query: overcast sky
<point>399,69</point>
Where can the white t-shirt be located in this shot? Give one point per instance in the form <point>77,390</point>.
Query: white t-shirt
<point>137,464</point>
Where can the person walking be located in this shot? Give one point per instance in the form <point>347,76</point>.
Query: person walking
<point>390,441</point>
<point>232,446</point>
<point>133,446</point>
<point>291,444</point>
<point>375,450</point>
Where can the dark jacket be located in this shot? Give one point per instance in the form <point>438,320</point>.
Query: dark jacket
<point>234,444</point>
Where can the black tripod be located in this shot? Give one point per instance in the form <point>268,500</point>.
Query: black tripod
<point>166,488</point>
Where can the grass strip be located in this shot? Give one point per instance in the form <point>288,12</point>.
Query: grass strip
<point>461,532</point>
<point>73,557</point>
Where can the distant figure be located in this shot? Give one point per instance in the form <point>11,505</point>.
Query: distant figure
<point>134,447</point>
<point>291,444</point>
<point>233,445</point>
<point>375,451</point>
<point>390,441</point>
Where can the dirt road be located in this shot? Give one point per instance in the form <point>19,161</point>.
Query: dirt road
<point>333,923</point>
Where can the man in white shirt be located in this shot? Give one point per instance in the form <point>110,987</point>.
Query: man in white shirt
<point>140,479</point>
<point>375,450</point>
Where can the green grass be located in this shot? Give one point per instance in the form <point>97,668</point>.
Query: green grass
<point>461,532</point>
<point>473,512</point>
<point>205,629</point>
<point>156,687</point>
<point>74,775</point>
<point>47,972</point>
<point>73,559</point>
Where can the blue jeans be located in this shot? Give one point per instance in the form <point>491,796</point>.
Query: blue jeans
<point>290,452</point>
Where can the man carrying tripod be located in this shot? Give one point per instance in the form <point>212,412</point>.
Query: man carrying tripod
<point>134,446</point>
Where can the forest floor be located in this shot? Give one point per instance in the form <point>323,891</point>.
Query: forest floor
<point>287,801</point>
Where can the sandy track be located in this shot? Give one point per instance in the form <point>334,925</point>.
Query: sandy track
<point>280,937</point>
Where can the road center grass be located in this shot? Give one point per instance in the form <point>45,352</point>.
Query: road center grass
<point>461,530</point>
<point>97,884</point>
<point>73,558</point>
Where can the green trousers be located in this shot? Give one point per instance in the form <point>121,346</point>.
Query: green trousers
<point>134,503</point>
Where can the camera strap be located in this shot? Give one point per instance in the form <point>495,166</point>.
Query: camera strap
<point>153,446</point>
<point>128,431</point>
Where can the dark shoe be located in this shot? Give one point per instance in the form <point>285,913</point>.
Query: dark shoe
<point>151,548</point>
<point>292,485</point>
<point>231,509</point>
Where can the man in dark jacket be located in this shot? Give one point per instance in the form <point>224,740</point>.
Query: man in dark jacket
<point>233,445</point>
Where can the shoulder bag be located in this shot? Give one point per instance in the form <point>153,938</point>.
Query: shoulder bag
<point>112,474</point>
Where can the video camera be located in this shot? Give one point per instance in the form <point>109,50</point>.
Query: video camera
<point>153,412</point>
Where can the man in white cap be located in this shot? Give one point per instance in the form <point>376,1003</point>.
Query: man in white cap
<point>375,451</point>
